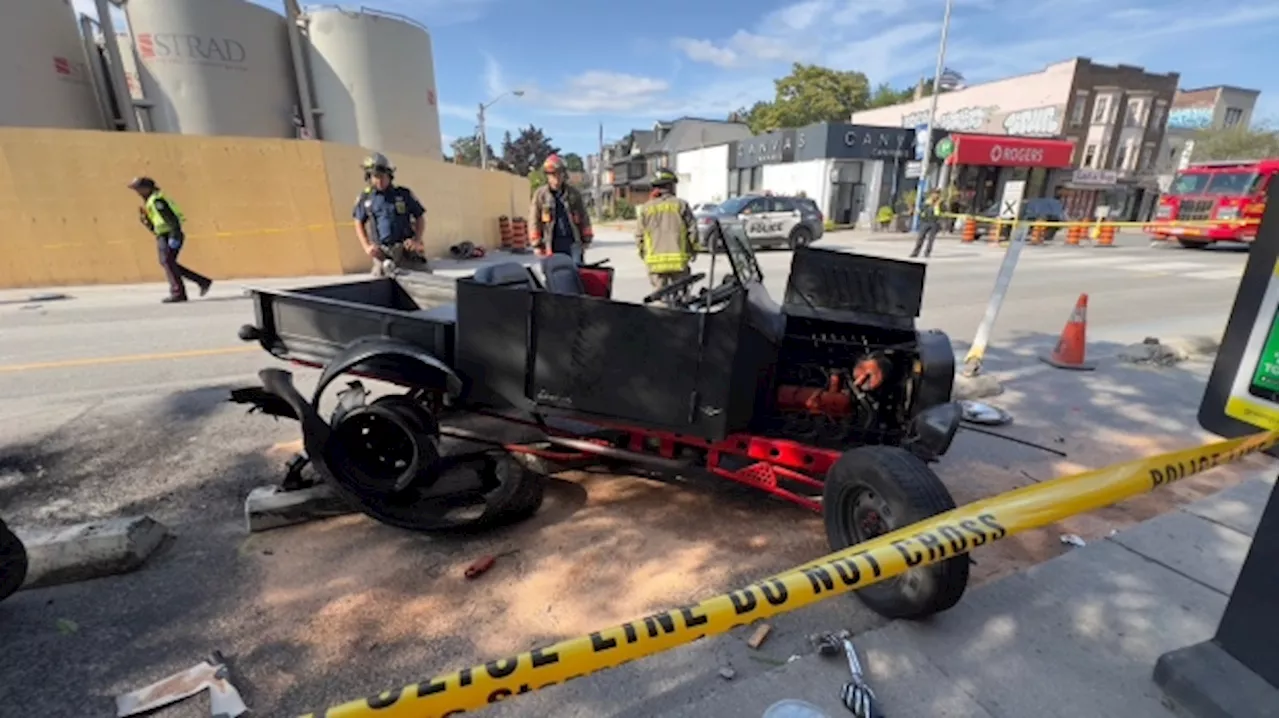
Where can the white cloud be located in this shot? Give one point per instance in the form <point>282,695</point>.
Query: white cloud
<point>706,51</point>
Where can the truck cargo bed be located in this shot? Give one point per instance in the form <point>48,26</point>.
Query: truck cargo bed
<point>312,324</point>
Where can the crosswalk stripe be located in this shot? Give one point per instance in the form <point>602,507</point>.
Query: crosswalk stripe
<point>1216,274</point>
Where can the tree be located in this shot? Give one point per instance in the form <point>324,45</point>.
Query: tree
<point>573,162</point>
<point>527,151</point>
<point>1235,143</point>
<point>466,150</point>
<point>810,94</point>
<point>886,96</point>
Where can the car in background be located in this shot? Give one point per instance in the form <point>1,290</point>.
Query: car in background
<point>704,207</point>
<point>1037,209</point>
<point>770,220</point>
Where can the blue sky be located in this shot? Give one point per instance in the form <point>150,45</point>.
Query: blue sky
<point>627,65</point>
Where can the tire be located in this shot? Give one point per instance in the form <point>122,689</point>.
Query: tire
<point>903,491</point>
<point>800,237</point>
<point>520,496</point>
<point>1192,244</point>
<point>13,562</point>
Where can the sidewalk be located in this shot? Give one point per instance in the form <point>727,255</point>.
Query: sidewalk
<point>1076,636</point>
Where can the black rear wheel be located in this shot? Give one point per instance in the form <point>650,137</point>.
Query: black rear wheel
<point>800,237</point>
<point>13,562</point>
<point>873,490</point>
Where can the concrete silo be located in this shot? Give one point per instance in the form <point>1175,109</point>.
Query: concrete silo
<point>44,79</point>
<point>374,80</point>
<point>214,67</point>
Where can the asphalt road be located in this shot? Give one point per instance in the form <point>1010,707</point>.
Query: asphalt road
<point>115,404</point>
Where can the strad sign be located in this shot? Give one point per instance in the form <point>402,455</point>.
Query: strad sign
<point>1001,155</point>
<point>186,47</point>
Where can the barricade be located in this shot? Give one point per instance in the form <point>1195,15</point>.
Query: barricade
<point>1075,233</point>
<point>1037,233</point>
<point>504,231</point>
<point>519,235</point>
<point>970,230</point>
<point>1106,236</point>
<point>939,538</point>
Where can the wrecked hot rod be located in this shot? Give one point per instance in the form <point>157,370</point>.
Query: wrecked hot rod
<point>832,400</point>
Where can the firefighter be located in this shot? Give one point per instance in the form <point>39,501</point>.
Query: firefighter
<point>162,218</point>
<point>389,220</point>
<point>665,234</point>
<point>930,223</point>
<point>558,221</point>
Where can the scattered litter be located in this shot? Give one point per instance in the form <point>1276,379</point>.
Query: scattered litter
<point>977,412</point>
<point>727,673</point>
<point>466,250</point>
<point>211,674</point>
<point>761,633</point>
<point>1113,532</point>
<point>484,563</point>
<point>1072,540</point>
<point>793,658</point>
<point>1152,351</point>
<point>67,626</point>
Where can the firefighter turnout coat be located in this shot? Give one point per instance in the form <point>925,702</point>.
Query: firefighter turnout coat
<point>542,216</point>
<point>665,231</point>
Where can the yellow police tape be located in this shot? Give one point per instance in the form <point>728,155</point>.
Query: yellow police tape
<point>939,538</point>
<point>1154,224</point>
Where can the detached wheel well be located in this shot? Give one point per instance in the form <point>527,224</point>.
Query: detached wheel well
<point>873,490</point>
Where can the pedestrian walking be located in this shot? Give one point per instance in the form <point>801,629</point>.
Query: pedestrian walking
<point>665,232</point>
<point>558,220</point>
<point>389,220</point>
<point>930,223</point>
<point>161,216</point>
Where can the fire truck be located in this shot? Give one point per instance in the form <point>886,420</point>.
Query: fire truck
<point>1214,202</point>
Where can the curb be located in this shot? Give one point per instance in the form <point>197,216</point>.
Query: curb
<point>270,507</point>
<point>90,550</point>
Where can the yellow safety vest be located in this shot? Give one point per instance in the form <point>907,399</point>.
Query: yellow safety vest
<point>158,223</point>
<point>665,262</point>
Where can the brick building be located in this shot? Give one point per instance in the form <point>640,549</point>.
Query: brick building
<point>1114,115</point>
<point>1217,107</point>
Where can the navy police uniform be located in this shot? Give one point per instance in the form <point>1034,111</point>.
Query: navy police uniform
<point>388,217</point>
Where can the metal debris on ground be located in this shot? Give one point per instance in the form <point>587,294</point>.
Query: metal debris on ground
<point>761,633</point>
<point>211,674</point>
<point>1152,351</point>
<point>856,695</point>
<point>977,412</point>
<point>1072,540</point>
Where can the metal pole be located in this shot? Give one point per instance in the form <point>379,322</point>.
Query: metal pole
<point>600,173</point>
<point>922,184</point>
<point>484,143</point>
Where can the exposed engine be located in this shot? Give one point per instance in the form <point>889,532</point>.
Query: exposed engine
<point>839,385</point>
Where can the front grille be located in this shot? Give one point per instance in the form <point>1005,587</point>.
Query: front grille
<point>1195,209</point>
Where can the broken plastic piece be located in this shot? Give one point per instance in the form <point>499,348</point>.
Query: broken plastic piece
<point>1072,540</point>
<point>224,699</point>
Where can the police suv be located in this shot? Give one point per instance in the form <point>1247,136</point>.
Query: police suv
<point>770,220</point>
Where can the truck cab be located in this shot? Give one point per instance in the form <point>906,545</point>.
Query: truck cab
<point>1214,202</point>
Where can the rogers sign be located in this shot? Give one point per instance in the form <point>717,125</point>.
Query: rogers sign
<point>1001,155</point>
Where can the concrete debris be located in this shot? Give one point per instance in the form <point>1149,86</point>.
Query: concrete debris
<point>1151,351</point>
<point>975,387</point>
<point>761,633</point>
<point>90,550</point>
<point>1072,540</point>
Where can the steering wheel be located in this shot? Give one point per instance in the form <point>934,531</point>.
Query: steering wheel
<point>673,288</point>
<point>714,297</point>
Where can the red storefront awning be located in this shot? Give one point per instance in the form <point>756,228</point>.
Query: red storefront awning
<point>1000,151</point>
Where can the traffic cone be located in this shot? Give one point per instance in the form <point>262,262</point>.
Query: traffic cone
<point>1069,353</point>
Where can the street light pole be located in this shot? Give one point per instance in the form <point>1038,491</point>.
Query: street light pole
<point>922,184</point>
<point>484,141</point>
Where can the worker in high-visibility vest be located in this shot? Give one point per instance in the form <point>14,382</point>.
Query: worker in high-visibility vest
<point>162,217</point>
<point>930,223</point>
<point>665,233</point>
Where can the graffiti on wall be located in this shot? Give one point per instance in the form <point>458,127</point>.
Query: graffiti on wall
<point>1190,118</point>
<point>1036,122</point>
<point>965,119</point>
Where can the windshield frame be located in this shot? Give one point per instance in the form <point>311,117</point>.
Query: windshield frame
<point>1204,186</point>
<point>736,248</point>
<point>738,203</point>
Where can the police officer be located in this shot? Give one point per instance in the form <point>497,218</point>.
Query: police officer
<point>930,223</point>
<point>389,220</point>
<point>162,217</point>
<point>558,221</point>
<point>665,232</point>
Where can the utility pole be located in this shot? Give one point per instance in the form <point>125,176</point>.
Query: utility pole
<point>484,140</point>
<point>922,185</point>
<point>600,172</point>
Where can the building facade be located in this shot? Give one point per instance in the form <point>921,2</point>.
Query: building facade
<point>631,161</point>
<point>1114,116</point>
<point>1204,108</point>
<point>848,170</point>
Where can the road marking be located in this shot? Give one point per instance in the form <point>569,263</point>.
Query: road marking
<point>127,359</point>
<point>1167,267</point>
<point>1217,274</point>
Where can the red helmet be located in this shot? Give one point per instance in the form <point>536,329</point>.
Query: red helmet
<point>553,164</point>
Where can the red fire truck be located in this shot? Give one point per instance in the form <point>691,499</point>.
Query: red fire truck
<point>1214,202</point>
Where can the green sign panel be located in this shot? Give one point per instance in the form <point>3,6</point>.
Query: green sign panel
<point>944,148</point>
